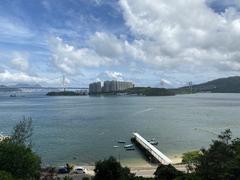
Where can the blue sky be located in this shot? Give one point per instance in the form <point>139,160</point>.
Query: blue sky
<point>143,41</point>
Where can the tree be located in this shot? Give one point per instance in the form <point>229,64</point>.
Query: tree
<point>166,172</point>
<point>16,156</point>
<point>225,136</point>
<point>220,161</point>
<point>190,159</point>
<point>67,178</point>
<point>85,178</point>
<point>110,169</point>
<point>23,131</point>
<point>188,176</point>
<point>5,176</point>
<point>19,160</point>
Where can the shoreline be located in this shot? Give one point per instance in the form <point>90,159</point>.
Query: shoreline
<point>127,162</point>
<point>139,168</point>
<point>145,169</point>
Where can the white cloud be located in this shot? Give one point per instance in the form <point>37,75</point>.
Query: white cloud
<point>110,75</point>
<point>22,77</point>
<point>173,34</point>
<point>20,61</point>
<point>6,76</point>
<point>106,45</point>
<point>165,81</point>
<point>14,28</point>
<point>166,35</point>
<point>70,59</point>
<point>169,36</point>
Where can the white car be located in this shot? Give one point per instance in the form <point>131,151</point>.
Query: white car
<point>78,170</point>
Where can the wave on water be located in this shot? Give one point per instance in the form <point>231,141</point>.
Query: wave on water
<point>143,111</point>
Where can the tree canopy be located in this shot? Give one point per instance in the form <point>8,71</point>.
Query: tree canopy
<point>166,172</point>
<point>221,160</point>
<point>190,159</point>
<point>16,155</point>
<point>23,131</point>
<point>5,176</point>
<point>110,169</point>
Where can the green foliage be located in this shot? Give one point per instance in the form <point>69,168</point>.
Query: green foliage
<point>189,176</point>
<point>221,160</point>
<point>167,172</point>
<point>16,156</point>
<point>67,178</point>
<point>222,85</point>
<point>22,132</point>
<point>190,159</point>
<point>19,160</point>
<point>5,176</point>
<point>85,178</point>
<point>147,91</point>
<point>65,93</point>
<point>225,136</point>
<point>110,169</point>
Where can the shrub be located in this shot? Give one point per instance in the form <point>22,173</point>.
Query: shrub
<point>110,169</point>
<point>5,176</point>
<point>190,159</point>
<point>166,172</point>
<point>19,160</point>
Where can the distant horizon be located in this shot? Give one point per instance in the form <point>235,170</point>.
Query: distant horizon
<point>86,87</point>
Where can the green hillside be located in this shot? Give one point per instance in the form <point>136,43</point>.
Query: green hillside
<point>222,85</point>
<point>147,91</point>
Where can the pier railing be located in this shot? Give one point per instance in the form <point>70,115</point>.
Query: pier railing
<point>159,156</point>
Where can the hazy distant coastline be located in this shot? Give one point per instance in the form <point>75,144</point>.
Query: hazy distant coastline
<point>221,85</point>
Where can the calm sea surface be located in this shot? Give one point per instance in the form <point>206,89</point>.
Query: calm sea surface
<point>85,129</point>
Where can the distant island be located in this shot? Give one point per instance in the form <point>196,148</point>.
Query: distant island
<point>8,89</point>
<point>148,91</point>
<point>25,85</point>
<point>66,93</point>
<point>125,88</point>
<point>221,85</point>
<point>18,87</point>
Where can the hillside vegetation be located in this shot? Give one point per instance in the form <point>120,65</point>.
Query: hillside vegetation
<point>222,85</point>
<point>147,91</point>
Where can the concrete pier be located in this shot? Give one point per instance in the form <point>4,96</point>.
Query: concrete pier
<point>159,156</point>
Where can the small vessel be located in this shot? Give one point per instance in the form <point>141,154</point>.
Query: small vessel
<point>121,141</point>
<point>153,142</point>
<point>130,149</point>
<point>128,146</point>
<point>13,95</point>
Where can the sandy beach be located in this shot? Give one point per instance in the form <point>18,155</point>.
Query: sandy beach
<point>145,169</point>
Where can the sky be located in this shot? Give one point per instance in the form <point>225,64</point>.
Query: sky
<point>149,42</point>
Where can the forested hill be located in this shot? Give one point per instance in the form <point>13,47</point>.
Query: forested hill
<point>221,85</point>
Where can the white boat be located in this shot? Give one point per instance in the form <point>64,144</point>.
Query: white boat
<point>128,146</point>
<point>130,149</point>
<point>153,142</point>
